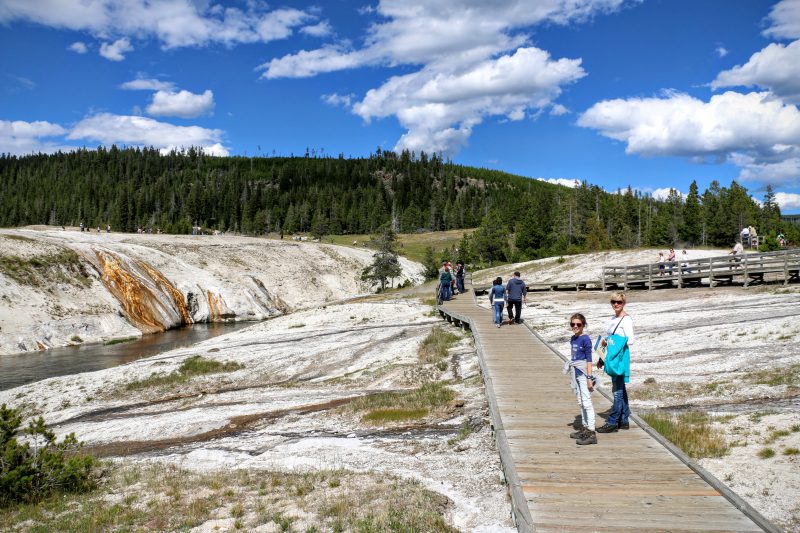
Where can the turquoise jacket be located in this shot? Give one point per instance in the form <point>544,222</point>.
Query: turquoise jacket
<point>618,357</point>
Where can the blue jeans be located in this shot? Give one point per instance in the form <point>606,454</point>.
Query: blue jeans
<point>498,312</point>
<point>620,411</point>
<point>460,285</point>
<point>445,291</point>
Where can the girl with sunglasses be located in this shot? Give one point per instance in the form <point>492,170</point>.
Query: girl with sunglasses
<point>581,379</point>
<point>621,324</point>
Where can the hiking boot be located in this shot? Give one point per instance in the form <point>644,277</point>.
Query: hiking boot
<point>590,437</point>
<point>607,428</point>
<point>578,434</point>
<point>624,425</point>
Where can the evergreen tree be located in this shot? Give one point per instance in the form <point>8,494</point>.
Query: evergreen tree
<point>385,264</point>
<point>692,227</point>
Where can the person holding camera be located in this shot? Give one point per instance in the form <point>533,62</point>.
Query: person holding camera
<point>621,324</point>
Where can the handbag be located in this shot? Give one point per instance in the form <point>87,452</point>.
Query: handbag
<point>601,350</point>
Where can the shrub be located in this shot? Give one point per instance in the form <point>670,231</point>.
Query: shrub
<point>40,465</point>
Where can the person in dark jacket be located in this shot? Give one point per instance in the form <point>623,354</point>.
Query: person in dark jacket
<point>460,271</point>
<point>516,293</point>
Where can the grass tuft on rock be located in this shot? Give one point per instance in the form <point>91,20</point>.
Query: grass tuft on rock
<point>396,406</point>
<point>64,267</point>
<point>692,432</point>
<point>435,346</point>
<point>193,366</point>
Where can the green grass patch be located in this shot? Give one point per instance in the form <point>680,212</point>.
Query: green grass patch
<point>193,366</point>
<point>434,347</point>
<point>382,406</point>
<point>410,245</point>
<point>791,451</point>
<point>62,267</point>
<point>777,434</point>
<point>112,342</point>
<point>165,498</point>
<point>766,453</point>
<point>378,416</point>
<point>775,377</point>
<point>692,432</point>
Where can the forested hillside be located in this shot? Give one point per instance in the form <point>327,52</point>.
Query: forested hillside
<point>134,188</point>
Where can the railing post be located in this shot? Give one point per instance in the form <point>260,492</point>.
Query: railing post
<point>603,282</point>
<point>625,279</point>
<point>680,275</point>
<point>649,276</point>
<point>710,273</point>
<point>746,277</point>
<point>786,267</point>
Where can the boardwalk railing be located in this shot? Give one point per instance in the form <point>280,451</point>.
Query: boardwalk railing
<point>748,268</point>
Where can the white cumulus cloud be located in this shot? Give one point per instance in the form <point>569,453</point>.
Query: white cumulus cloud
<point>147,84</point>
<point>116,51</point>
<point>473,59</point>
<point>784,18</point>
<point>182,104</point>
<point>681,125</point>
<point>19,137</point>
<point>142,131</point>
<point>754,131</point>
<point>175,23</point>
<point>721,51</point>
<point>78,47</point>
<point>776,67</point>
<point>566,182</point>
<point>334,99</point>
<point>439,109</point>
<point>321,29</point>
<point>787,200</point>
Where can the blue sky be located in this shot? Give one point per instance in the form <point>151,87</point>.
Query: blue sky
<point>652,93</point>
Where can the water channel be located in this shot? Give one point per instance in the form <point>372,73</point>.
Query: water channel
<point>20,369</point>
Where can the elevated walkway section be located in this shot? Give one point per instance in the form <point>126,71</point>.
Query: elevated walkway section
<point>631,480</point>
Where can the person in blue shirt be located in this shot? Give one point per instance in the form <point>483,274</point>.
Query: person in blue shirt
<point>497,300</point>
<point>581,378</point>
<point>516,293</point>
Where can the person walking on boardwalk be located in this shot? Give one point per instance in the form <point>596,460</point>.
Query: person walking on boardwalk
<point>660,263</point>
<point>619,337</point>
<point>460,272</point>
<point>445,279</point>
<point>516,293</point>
<point>497,296</point>
<point>581,379</point>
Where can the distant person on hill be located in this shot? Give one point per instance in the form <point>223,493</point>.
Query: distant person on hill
<point>620,327</point>
<point>460,271</point>
<point>497,296</point>
<point>445,279</point>
<point>660,263</point>
<point>582,381</point>
<point>516,293</point>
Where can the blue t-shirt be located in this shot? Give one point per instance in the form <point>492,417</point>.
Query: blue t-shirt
<point>581,350</point>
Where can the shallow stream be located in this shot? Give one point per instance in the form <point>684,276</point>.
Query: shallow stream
<point>23,368</point>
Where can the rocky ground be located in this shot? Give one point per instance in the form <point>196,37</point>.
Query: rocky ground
<point>63,287</point>
<point>287,405</point>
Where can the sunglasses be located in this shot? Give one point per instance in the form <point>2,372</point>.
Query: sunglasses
<point>576,325</point>
<point>614,302</point>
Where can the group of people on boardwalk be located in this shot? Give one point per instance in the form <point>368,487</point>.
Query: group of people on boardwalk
<point>615,345</point>
<point>512,295</point>
<point>666,265</point>
<point>451,281</point>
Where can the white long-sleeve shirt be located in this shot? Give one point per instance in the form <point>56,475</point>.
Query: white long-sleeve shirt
<point>625,328</point>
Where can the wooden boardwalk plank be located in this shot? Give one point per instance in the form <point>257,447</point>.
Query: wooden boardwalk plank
<point>557,485</point>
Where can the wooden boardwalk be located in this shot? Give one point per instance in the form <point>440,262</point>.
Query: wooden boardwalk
<point>630,481</point>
